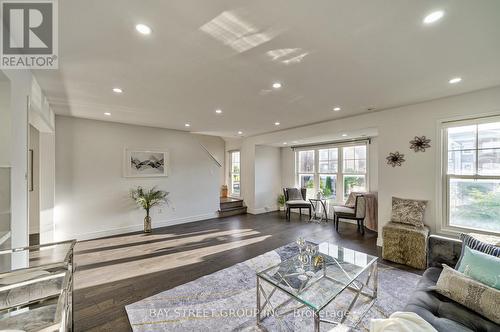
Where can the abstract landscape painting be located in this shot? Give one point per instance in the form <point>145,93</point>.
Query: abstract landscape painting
<point>141,163</point>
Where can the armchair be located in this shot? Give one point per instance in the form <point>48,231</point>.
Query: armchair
<point>356,212</point>
<point>296,199</point>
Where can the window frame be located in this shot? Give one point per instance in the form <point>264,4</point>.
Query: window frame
<point>344,174</point>
<point>231,173</point>
<point>445,179</point>
<point>299,174</point>
<point>339,188</point>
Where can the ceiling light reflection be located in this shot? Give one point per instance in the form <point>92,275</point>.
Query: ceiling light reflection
<point>295,59</point>
<point>280,53</point>
<point>232,30</point>
<point>287,56</point>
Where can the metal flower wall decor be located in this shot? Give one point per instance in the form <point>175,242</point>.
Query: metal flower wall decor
<point>395,159</point>
<point>420,143</point>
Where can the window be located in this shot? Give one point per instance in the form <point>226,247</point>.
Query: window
<point>472,175</point>
<point>328,168</point>
<point>332,170</point>
<point>354,169</point>
<point>306,170</point>
<point>234,173</point>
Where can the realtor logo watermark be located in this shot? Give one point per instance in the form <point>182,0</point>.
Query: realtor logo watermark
<point>29,38</point>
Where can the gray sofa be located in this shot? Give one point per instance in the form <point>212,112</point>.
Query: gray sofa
<point>442,313</point>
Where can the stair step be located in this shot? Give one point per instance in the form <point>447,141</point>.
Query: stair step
<point>232,211</point>
<point>228,203</point>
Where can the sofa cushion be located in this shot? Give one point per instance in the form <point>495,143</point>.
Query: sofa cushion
<point>470,293</point>
<point>481,267</point>
<point>487,238</point>
<point>443,313</point>
<point>408,211</point>
<point>469,240</point>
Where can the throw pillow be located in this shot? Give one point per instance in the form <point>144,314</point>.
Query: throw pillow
<point>294,194</point>
<point>481,267</point>
<point>351,200</point>
<point>473,243</point>
<point>408,211</point>
<point>471,294</point>
<point>486,238</point>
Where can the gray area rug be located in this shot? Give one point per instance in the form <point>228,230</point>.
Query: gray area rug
<point>226,301</point>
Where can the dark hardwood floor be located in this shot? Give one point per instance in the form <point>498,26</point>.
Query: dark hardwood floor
<point>115,271</point>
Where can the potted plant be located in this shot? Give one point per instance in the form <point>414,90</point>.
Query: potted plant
<point>147,199</point>
<point>281,201</point>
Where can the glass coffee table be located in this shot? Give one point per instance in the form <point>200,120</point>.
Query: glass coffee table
<point>314,279</point>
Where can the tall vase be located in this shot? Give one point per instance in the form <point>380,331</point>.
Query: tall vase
<point>147,224</point>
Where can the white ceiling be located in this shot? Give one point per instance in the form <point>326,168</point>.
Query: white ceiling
<point>204,55</point>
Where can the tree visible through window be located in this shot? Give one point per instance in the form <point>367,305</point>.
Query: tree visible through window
<point>473,176</point>
<point>328,168</point>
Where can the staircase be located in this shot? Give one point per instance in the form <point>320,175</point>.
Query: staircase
<point>231,207</point>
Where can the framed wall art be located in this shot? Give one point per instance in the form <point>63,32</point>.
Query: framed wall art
<point>143,163</point>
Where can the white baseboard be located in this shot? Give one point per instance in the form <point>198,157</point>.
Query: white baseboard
<point>262,210</point>
<point>139,227</point>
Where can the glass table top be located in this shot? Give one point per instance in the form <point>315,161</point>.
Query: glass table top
<point>35,256</point>
<point>317,281</point>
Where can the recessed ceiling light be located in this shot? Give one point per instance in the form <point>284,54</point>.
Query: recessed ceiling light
<point>107,114</point>
<point>218,111</point>
<point>117,90</point>
<point>344,135</point>
<point>143,28</point>
<point>285,143</point>
<point>336,109</point>
<point>277,85</point>
<point>455,80</point>
<point>240,132</point>
<point>187,125</point>
<point>433,17</point>
<point>277,123</point>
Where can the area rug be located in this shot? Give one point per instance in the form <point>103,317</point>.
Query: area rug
<point>226,301</point>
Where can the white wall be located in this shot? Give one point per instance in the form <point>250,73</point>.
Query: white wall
<point>5,123</point>
<point>92,196</point>
<point>214,148</point>
<point>288,168</point>
<point>47,186</point>
<point>417,178</point>
<point>267,178</point>
<point>42,117</point>
<point>247,177</point>
<point>5,154</point>
<point>34,195</point>
<point>20,89</point>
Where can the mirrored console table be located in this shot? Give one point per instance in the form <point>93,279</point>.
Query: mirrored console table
<point>36,287</point>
